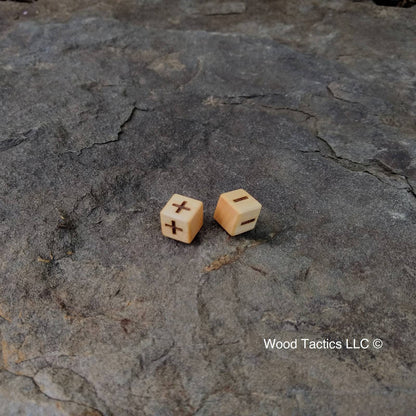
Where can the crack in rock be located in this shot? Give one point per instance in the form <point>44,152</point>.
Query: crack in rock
<point>336,97</point>
<point>243,99</point>
<point>95,412</point>
<point>374,167</point>
<point>120,130</point>
<point>330,152</point>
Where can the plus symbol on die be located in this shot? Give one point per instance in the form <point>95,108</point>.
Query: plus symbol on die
<point>181,207</point>
<point>174,227</point>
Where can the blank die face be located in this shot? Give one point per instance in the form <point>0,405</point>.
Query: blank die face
<point>237,211</point>
<point>181,218</point>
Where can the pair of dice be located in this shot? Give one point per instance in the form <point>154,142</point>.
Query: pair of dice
<point>182,217</point>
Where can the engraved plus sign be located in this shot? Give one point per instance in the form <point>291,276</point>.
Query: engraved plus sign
<point>181,207</point>
<point>174,227</point>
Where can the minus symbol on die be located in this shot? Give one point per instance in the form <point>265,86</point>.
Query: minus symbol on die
<point>248,221</point>
<point>240,199</point>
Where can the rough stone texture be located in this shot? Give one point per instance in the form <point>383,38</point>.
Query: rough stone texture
<point>108,109</point>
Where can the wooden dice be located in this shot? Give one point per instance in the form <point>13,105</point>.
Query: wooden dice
<point>182,218</point>
<point>237,211</point>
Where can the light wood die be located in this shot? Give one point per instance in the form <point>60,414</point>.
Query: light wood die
<point>237,211</point>
<point>181,218</point>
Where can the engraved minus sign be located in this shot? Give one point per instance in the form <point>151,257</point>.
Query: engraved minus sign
<point>248,221</point>
<point>240,199</point>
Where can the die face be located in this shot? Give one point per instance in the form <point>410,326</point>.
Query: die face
<point>225,215</point>
<point>237,211</point>
<point>178,230</point>
<point>241,201</point>
<point>181,218</point>
<point>181,208</point>
<point>246,221</point>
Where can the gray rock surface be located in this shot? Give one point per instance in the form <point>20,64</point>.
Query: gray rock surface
<point>108,109</point>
